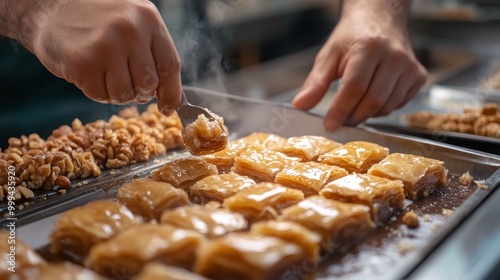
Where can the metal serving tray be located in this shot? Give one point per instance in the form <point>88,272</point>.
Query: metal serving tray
<point>371,259</point>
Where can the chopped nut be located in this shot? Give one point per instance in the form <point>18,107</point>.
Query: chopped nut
<point>25,192</point>
<point>63,191</point>
<point>410,219</point>
<point>482,186</point>
<point>447,212</point>
<point>466,179</point>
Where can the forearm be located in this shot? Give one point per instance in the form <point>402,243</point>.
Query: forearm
<point>19,19</point>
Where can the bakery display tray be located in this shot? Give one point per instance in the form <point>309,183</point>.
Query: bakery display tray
<point>393,246</point>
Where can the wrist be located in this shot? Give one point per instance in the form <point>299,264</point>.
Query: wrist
<point>387,12</point>
<point>20,20</point>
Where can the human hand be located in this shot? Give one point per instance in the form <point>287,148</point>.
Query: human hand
<point>115,51</point>
<point>378,68</point>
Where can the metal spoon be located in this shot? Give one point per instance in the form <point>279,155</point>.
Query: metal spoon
<point>188,113</point>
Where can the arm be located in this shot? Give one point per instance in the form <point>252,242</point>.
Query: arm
<point>370,50</point>
<point>115,51</point>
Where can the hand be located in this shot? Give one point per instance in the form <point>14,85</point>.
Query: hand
<point>373,56</point>
<point>115,51</point>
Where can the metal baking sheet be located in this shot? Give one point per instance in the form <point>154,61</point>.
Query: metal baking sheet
<point>443,100</point>
<point>244,116</point>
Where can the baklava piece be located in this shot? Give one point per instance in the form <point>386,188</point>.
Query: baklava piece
<point>384,196</point>
<point>290,232</point>
<point>218,187</point>
<point>357,156</point>
<point>149,198</point>
<point>246,256</point>
<point>24,256</point>
<point>209,222</point>
<point>62,270</point>
<point>158,271</point>
<point>264,140</point>
<point>263,201</point>
<point>309,177</point>
<point>130,250</point>
<point>340,224</point>
<point>78,229</point>
<point>205,136</point>
<point>263,164</point>
<point>184,172</point>
<point>224,159</point>
<point>308,147</point>
<point>420,175</point>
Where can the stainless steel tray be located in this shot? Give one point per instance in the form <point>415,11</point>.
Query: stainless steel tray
<point>244,116</point>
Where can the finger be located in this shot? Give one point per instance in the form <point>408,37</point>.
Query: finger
<point>118,83</point>
<point>415,88</point>
<point>381,87</point>
<point>94,87</point>
<point>168,67</point>
<point>144,74</point>
<point>324,71</point>
<point>356,79</point>
<point>397,96</point>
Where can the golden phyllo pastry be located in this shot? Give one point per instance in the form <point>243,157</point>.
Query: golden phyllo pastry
<point>158,271</point>
<point>209,222</point>
<point>218,187</point>
<point>149,198</point>
<point>78,229</point>
<point>290,232</point>
<point>338,223</point>
<point>383,196</point>
<point>309,177</point>
<point>263,201</point>
<point>247,256</point>
<point>184,172</point>
<point>263,164</point>
<point>130,250</point>
<point>205,136</point>
<point>21,258</point>
<point>420,175</point>
<point>356,156</point>
<point>61,270</point>
<point>265,140</point>
<point>307,147</point>
<point>224,159</point>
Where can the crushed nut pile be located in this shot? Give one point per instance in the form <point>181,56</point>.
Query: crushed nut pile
<point>484,121</point>
<point>81,151</point>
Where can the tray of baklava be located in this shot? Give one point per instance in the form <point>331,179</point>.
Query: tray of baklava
<point>283,200</point>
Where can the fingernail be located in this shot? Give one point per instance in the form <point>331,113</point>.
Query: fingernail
<point>167,111</point>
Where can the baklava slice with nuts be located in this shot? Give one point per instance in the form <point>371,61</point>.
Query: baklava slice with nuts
<point>78,229</point>
<point>209,222</point>
<point>218,187</point>
<point>205,136</point>
<point>158,271</point>
<point>309,177</point>
<point>149,198</point>
<point>130,250</point>
<point>356,156</point>
<point>420,175</point>
<point>184,172</point>
<point>263,201</point>
<point>338,223</point>
<point>384,196</point>
<point>263,164</point>
<point>308,147</point>
<point>248,256</point>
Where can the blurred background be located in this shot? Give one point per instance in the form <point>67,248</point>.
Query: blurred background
<point>260,49</point>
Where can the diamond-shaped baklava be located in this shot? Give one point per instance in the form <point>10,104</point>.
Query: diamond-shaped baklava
<point>149,198</point>
<point>218,187</point>
<point>130,250</point>
<point>356,156</point>
<point>420,175</point>
<point>338,223</point>
<point>263,201</point>
<point>78,229</point>
<point>209,222</point>
<point>247,256</point>
<point>307,147</point>
<point>309,177</point>
<point>383,196</point>
<point>262,164</point>
<point>184,172</point>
